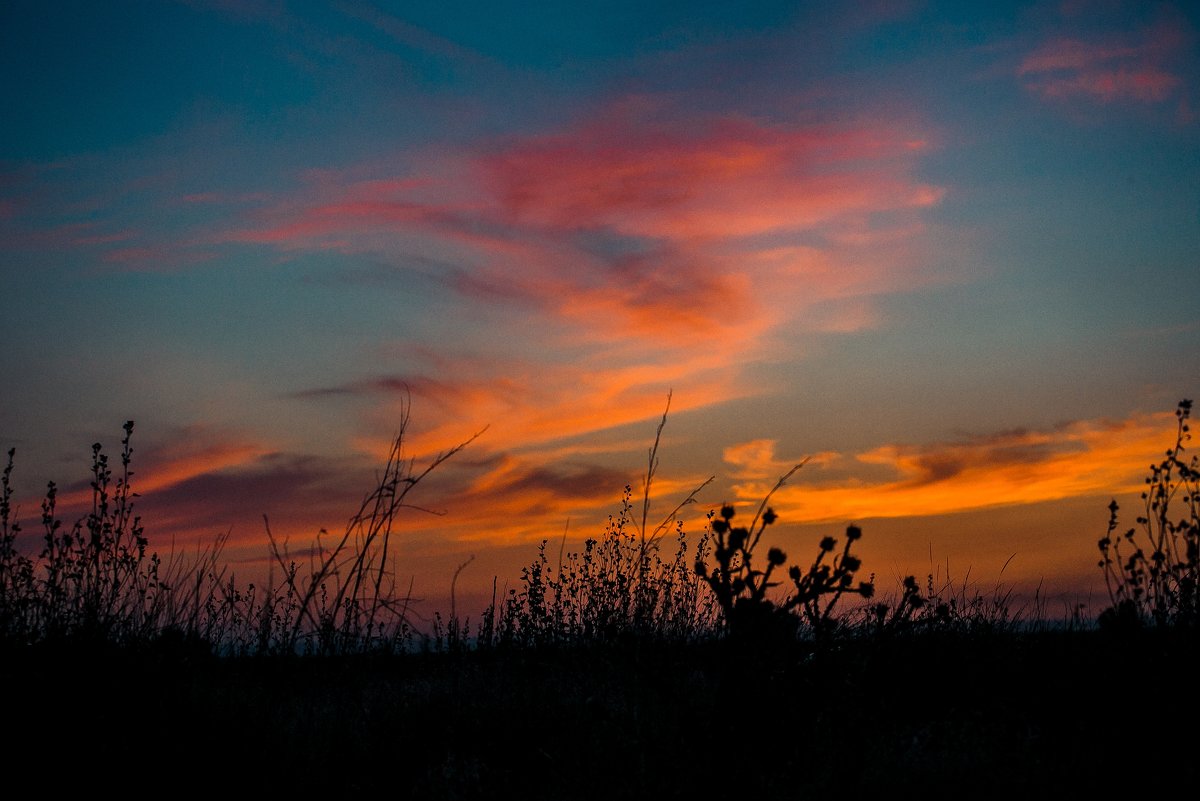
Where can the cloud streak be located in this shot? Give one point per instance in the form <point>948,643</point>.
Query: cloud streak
<point>626,254</point>
<point>1081,459</point>
<point>1136,67</point>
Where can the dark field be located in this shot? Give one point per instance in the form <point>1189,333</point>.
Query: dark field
<point>1050,714</point>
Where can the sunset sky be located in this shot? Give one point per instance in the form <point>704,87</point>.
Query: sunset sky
<point>948,251</point>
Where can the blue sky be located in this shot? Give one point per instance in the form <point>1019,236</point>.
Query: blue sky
<point>948,251</point>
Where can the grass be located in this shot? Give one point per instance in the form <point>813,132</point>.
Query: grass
<point>651,662</point>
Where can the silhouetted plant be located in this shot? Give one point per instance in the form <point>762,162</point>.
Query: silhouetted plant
<point>884,617</point>
<point>17,581</point>
<point>93,581</point>
<point>97,582</point>
<point>1156,581</point>
<point>619,586</point>
<point>827,580</point>
<point>347,601</point>
<point>948,607</point>
<point>742,590</point>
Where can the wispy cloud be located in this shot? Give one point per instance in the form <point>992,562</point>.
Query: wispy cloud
<point>1086,458</point>
<point>176,457</point>
<point>413,36</point>
<point>1136,67</point>
<point>528,404</point>
<point>704,179</point>
<point>498,499</point>
<point>152,258</point>
<point>618,258</point>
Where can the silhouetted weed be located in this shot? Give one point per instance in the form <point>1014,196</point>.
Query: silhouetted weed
<point>96,581</point>
<point>1156,583</point>
<point>742,590</point>
<point>91,582</point>
<point>618,587</point>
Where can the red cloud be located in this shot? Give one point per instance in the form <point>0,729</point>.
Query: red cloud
<point>704,179</point>
<point>628,227</point>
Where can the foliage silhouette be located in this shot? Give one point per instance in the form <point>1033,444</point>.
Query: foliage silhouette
<point>97,582</point>
<point>1156,583</point>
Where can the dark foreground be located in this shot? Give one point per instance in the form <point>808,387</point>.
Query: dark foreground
<point>1037,715</point>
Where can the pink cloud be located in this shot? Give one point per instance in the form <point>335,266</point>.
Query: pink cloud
<point>1136,68</point>
<point>692,197</point>
<point>679,203</point>
<point>703,179</point>
<point>625,255</point>
<point>214,198</point>
<point>105,239</point>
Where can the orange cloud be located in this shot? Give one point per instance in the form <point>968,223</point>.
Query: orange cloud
<point>516,500</point>
<point>621,257</point>
<point>528,406</point>
<point>191,452</point>
<point>756,460</point>
<point>1086,458</point>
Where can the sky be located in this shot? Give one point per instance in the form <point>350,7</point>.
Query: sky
<point>947,252</point>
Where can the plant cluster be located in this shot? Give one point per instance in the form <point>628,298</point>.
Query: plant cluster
<point>742,590</point>
<point>616,588</point>
<point>96,581</point>
<point>92,581</point>
<point>942,606</point>
<point>1152,570</point>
